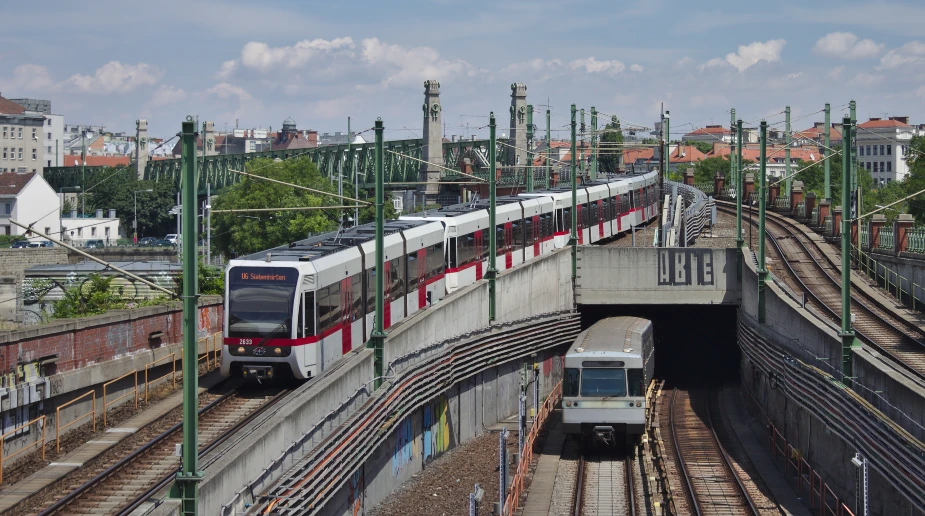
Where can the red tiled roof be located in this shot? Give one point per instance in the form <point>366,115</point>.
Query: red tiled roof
<point>878,124</point>
<point>12,184</point>
<point>711,129</point>
<point>632,155</point>
<point>8,107</point>
<point>772,154</point>
<point>686,154</point>
<point>814,133</point>
<point>100,161</point>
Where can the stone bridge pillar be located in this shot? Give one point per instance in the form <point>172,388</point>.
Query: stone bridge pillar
<point>825,208</point>
<point>749,187</point>
<point>432,151</point>
<point>718,183</point>
<point>796,197</point>
<point>902,226</point>
<point>141,147</point>
<point>517,157</point>
<point>873,235</point>
<point>773,193</point>
<point>836,221</point>
<point>689,177</point>
<point>208,139</point>
<point>810,205</point>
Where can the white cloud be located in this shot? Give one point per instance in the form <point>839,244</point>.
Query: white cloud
<point>752,54</point>
<point>793,76</point>
<point>532,66</point>
<point>685,62</point>
<point>228,68</point>
<point>920,92</point>
<point>836,72</point>
<point>263,57</point>
<point>592,65</point>
<point>866,79</point>
<point>166,95</point>
<point>636,68</point>
<point>410,65</point>
<point>29,77</point>
<point>115,77</point>
<point>845,45</point>
<point>716,62</point>
<point>911,53</point>
<point>224,91</point>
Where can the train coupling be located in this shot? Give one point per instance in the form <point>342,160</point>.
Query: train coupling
<point>604,434</point>
<point>257,372</point>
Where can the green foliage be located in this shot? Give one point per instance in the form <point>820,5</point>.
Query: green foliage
<point>610,150</point>
<point>236,234</point>
<point>703,147</point>
<point>211,281</point>
<point>7,240</point>
<point>915,182</point>
<point>95,296</point>
<point>67,207</point>
<point>705,170</point>
<point>114,189</point>
<point>368,213</point>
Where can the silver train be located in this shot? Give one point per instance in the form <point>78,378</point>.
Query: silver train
<point>607,370</point>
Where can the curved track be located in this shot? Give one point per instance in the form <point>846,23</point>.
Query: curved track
<point>132,481</point>
<point>813,272</point>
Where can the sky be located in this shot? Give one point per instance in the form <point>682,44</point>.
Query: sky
<point>257,63</point>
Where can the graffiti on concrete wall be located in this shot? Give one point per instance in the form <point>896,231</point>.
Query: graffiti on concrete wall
<point>404,446</point>
<point>685,267</point>
<point>356,492</point>
<point>436,428</point>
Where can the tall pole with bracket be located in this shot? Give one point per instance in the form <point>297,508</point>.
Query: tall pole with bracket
<point>573,241</point>
<point>732,144</point>
<point>825,152</point>
<point>594,145</point>
<point>846,334</point>
<point>529,181</point>
<point>762,207</point>
<point>548,148</point>
<point>740,242</point>
<point>377,338</point>
<point>855,182</point>
<point>492,229</point>
<point>189,476</point>
<point>787,155</point>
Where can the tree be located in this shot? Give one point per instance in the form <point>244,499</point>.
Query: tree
<point>610,150</point>
<point>236,234</point>
<point>704,147</point>
<point>705,170</point>
<point>211,281</point>
<point>915,182</point>
<point>94,296</point>
<point>113,189</point>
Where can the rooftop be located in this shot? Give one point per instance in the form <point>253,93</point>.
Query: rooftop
<point>12,183</point>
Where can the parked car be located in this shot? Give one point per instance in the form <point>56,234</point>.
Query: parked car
<point>147,241</point>
<point>46,243</point>
<point>164,243</point>
<point>20,244</point>
<point>95,244</point>
<point>173,238</point>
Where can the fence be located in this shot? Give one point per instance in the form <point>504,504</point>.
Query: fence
<point>886,239</point>
<point>173,361</point>
<point>518,484</point>
<point>906,291</point>
<point>58,426</point>
<point>38,443</point>
<point>865,236</point>
<point>697,214</point>
<point>915,240</point>
<point>107,384</point>
<point>801,210</point>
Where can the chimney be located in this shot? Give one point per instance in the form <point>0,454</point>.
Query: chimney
<point>872,119</point>
<point>901,119</point>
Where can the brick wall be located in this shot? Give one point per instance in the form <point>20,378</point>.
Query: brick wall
<point>89,340</point>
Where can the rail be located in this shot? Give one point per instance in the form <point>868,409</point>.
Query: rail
<point>674,441</point>
<point>37,443</point>
<point>149,365</point>
<point>59,427</point>
<point>518,483</point>
<point>110,382</point>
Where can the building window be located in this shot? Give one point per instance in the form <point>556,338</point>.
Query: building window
<point>6,230</point>
<point>47,230</point>
<point>868,150</point>
<point>889,150</point>
<point>49,136</point>
<point>7,208</point>
<point>20,154</point>
<point>876,166</point>
<point>107,232</point>
<point>92,231</point>
<point>875,150</point>
<point>889,166</point>
<point>860,150</point>
<point>881,151</point>
<point>4,132</point>
<point>4,153</point>
<point>35,133</point>
<point>48,149</point>
<point>80,232</point>
<point>35,154</point>
<point>20,133</point>
<point>49,163</point>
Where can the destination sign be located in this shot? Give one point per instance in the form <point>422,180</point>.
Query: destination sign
<point>284,275</point>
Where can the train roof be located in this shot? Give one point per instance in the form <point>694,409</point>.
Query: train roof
<point>330,243</point>
<point>611,335</point>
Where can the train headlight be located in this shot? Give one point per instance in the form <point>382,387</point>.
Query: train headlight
<point>278,351</point>
<point>241,349</point>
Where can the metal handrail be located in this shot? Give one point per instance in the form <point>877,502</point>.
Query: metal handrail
<point>58,426</point>
<point>107,384</point>
<point>40,442</point>
<point>173,357</point>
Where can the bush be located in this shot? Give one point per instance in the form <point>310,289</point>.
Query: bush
<point>94,296</point>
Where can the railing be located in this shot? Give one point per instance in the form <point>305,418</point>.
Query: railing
<point>705,187</point>
<point>865,236</point>
<point>173,358</point>
<point>107,384</point>
<point>815,215</point>
<point>886,238</point>
<point>518,484</point>
<point>906,291</point>
<point>801,210</point>
<point>827,224</point>
<point>781,203</point>
<point>915,240</point>
<point>38,443</point>
<point>697,212</point>
<point>58,426</point>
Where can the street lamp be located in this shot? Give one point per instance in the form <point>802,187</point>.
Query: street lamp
<point>135,220</point>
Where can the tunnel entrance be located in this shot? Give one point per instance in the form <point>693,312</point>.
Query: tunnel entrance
<point>695,345</point>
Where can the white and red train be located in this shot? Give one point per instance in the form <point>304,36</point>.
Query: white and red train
<point>296,308</point>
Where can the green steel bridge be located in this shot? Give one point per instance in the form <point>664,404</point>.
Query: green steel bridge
<point>402,164</point>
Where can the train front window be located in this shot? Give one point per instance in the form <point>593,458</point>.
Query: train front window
<point>260,301</point>
<point>635,381</point>
<point>597,382</point>
<point>570,383</point>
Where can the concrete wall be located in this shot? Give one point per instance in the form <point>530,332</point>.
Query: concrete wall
<point>909,266</point>
<point>14,262</point>
<point>638,275</point>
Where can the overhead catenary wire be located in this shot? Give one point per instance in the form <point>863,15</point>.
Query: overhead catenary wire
<point>300,187</point>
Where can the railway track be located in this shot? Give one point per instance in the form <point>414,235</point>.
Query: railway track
<point>132,481</point>
<point>605,485</point>
<point>711,483</point>
<point>813,272</point>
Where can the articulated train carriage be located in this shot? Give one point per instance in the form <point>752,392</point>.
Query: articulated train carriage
<point>606,373</point>
<point>294,309</point>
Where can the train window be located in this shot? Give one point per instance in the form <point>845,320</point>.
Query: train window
<point>435,261</point>
<point>560,220</point>
<point>469,254</point>
<point>306,326</point>
<point>451,259</point>
<point>414,271</point>
<point>323,309</point>
<point>636,382</point>
<point>356,291</point>
<point>570,382</point>
<point>396,279</point>
<point>527,238</point>
<point>548,225</point>
<point>603,382</point>
<point>370,292</point>
<point>566,225</point>
<point>501,242</point>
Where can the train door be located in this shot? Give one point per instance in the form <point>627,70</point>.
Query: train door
<point>421,278</point>
<point>480,254</point>
<point>600,218</point>
<point>508,246</point>
<point>386,303</point>
<point>346,313</point>
<point>537,235</point>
